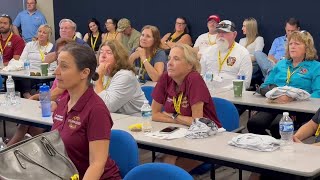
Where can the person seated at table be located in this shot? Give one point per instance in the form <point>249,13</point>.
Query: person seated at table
<point>94,35</point>
<point>11,44</point>
<point>87,137</point>
<point>148,58</point>
<point>111,25</point>
<point>56,94</point>
<point>180,35</point>
<point>227,59</point>
<point>35,51</point>
<point>252,42</point>
<point>117,84</point>
<point>181,95</point>
<point>128,36</point>
<point>301,70</point>
<point>309,129</point>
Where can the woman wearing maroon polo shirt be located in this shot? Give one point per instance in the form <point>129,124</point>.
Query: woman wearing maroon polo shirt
<point>183,95</point>
<point>81,117</point>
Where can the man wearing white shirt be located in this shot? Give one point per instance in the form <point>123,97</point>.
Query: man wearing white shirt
<point>206,40</point>
<point>227,59</point>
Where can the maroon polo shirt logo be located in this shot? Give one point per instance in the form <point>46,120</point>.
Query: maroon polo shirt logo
<point>74,122</point>
<point>184,102</point>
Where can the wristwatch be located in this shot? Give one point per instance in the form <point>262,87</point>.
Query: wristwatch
<point>174,115</point>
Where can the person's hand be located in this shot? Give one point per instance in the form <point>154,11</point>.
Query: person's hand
<point>295,139</point>
<point>35,97</point>
<point>283,99</point>
<point>142,53</point>
<point>54,106</point>
<point>103,69</point>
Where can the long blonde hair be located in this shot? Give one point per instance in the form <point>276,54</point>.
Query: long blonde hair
<point>251,30</point>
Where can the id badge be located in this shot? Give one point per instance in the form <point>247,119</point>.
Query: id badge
<point>217,78</point>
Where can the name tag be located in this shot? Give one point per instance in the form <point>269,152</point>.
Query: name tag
<point>58,117</point>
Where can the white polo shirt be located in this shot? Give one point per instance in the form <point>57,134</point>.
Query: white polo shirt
<point>203,42</point>
<point>238,60</point>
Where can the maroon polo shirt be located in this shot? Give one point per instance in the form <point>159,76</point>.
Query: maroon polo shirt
<point>88,120</point>
<point>194,90</point>
<point>14,47</point>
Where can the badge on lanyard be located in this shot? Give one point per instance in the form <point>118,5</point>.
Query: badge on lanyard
<point>318,131</point>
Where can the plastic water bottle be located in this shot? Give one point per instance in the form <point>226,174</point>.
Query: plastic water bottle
<point>208,78</point>
<point>45,100</point>
<point>242,76</point>
<point>286,129</point>
<point>2,144</point>
<point>10,89</point>
<point>1,61</point>
<point>26,65</point>
<point>146,114</point>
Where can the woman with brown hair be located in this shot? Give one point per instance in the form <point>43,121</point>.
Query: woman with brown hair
<point>148,58</point>
<point>117,84</point>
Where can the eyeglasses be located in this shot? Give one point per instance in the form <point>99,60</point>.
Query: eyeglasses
<point>4,15</point>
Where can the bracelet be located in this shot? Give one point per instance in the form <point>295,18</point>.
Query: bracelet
<point>144,61</point>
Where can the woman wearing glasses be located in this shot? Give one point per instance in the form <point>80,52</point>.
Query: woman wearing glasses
<point>300,70</point>
<point>180,34</point>
<point>111,27</point>
<point>148,58</point>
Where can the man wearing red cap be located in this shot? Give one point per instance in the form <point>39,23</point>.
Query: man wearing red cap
<point>207,39</point>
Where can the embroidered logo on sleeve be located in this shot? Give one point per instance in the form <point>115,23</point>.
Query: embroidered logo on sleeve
<point>58,117</point>
<point>74,122</point>
<point>231,61</point>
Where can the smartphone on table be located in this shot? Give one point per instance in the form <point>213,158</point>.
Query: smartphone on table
<point>168,130</point>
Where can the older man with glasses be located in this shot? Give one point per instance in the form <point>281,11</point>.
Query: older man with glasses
<point>11,45</point>
<point>29,21</point>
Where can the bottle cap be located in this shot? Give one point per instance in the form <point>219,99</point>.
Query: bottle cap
<point>285,113</point>
<point>9,76</point>
<point>44,88</point>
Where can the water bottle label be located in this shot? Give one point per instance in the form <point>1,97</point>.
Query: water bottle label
<point>146,113</point>
<point>286,127</point>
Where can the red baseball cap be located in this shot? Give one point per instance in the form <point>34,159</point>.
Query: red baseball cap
<point>214,17</point>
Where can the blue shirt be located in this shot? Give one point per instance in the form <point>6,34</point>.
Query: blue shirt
<point>306,76</point>
<point>29,23</point>
<point>77,40</point>
<point>278,47</point>
<point>160,56</point>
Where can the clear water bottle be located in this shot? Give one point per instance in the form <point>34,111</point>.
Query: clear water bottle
<point>1,61</point>
<point>26,65</point>
<point>2,144</point>
<point>286,129</point>
<point>146,114</point>
<point>10,89</point>
<point>208,78</point>
<point>45,100</point>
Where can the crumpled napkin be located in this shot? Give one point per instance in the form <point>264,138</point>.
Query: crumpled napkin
<point>295,93</point>
<point>180,133</point>
<point>14,65</point>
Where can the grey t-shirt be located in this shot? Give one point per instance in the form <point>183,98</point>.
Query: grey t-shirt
<point>316,119</point>
<point>124,94</point>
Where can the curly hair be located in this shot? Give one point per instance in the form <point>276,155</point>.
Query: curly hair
<point>305,38</point>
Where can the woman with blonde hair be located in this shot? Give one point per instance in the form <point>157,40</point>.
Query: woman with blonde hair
<point>300,70</point>
<point>117,84</point>
<point>181,95</point>
<point>148,58</point>
<point>252,42</point>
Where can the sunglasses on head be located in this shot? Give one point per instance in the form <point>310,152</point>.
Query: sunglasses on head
<point>4,15</point>
<point>232,28</point>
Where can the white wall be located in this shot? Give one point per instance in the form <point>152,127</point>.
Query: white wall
<point>46,7</point>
